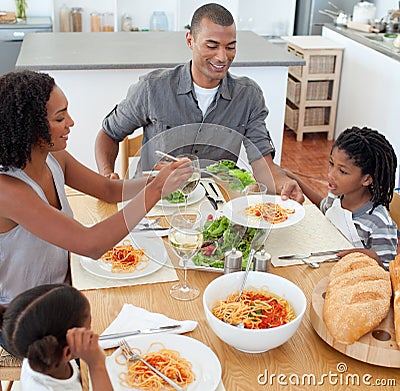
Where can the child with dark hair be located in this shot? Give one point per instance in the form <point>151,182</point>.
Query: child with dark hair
<point>48,327</point>
<point>361,183</point>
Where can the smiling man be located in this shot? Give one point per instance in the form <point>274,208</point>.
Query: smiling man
<point>198,108</point>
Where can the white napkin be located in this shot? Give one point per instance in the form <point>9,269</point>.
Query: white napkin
<point>135,318</point>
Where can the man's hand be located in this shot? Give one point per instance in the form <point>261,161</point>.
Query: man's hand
<point>112,175</point>
<point>292,190</point>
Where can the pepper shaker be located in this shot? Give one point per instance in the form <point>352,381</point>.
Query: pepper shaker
<point>262,261</point>
<point>233,261</point>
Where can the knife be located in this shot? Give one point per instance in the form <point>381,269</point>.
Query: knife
<point>212,201</point>
<point>137,332</point>
<point>150,229</point>
<point>302,256</point>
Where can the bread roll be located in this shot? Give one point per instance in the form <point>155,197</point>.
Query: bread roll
<point>357,298</point>
<point>394,268</point>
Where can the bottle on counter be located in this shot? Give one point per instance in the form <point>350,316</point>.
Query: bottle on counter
<point>108,22</point>
<point>158,21</point>
<point>126,22</point>
<point>76,19</point>
<point>95,22</point>
<point>64,17</point>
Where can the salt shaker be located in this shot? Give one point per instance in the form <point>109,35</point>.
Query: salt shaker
<point>262,261</point>
<point>233,261</point>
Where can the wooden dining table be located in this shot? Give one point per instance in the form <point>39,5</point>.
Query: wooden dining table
<point>303,362</point>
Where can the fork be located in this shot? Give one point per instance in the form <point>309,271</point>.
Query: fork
<point>133,356</point>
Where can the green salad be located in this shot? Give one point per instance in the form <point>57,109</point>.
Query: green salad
<point>175,198</point>
<point>221,235</point>
<point>227,169</point>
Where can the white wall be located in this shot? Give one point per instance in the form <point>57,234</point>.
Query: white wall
<point>369,90</point>
<point>382,7</point>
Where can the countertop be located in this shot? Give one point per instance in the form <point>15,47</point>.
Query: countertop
<point>361,37</point>
<point>122,50</point>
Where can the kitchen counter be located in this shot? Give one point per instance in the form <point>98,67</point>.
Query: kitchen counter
<point>372,42</point>
<point>122,50</point>
<point>95,70</point>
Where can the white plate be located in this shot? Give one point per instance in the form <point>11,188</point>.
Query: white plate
<point>205,364</point>
<point>153,247</point>
<point>197,195</point>
<point>234,210</point>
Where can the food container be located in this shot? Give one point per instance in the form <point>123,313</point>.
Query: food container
<point>126,22</point>
<point>108,22</point>
<point>363,12</point>
<point>76,19</point>
<point>233,261</point>
<point>389,37</point>
<point>158,21</point>
<point>65,23</point>
<point>95,22</point>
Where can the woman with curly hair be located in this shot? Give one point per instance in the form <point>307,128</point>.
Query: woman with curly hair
<point>36,225</point>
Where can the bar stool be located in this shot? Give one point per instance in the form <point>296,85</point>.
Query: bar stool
<point>10,368</point>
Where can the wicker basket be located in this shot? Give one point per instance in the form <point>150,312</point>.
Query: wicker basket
<point>321,64</point>
<point>316,90</point>
<point>313,116</point>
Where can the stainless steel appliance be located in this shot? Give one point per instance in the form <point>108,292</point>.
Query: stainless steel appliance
<point>12,35</point>
<point>309,21</point>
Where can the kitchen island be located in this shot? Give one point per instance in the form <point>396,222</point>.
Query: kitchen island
<point>95,70</point>
<point>370,84</point>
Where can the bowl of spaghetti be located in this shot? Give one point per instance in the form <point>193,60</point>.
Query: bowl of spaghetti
<point>268,313</point>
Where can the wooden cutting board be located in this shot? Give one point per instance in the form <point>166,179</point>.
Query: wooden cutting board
<point>7,17</point>
<point>377,347</point>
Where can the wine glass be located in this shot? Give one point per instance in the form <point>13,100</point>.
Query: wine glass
<point>190,185</point>
<point>256,188</point>
<point>186,237</point>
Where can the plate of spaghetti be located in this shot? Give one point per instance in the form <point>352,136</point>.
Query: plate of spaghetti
<point>263,211</point>
<point>133,257</point>
<point>186,361</point>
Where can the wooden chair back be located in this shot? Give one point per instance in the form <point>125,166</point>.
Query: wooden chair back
<point>10,369</point>
<point>130,147</point>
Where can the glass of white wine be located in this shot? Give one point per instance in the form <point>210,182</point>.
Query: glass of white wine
<point>190,185</point>
<point>186,237</point>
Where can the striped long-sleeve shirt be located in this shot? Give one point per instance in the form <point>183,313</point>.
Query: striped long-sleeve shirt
<point>377,231</point>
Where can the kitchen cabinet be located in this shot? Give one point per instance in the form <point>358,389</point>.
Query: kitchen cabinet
<point>264,17</point>
<point>312,90</point>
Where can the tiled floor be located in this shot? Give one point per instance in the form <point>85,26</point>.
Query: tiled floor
<point>308,158</point>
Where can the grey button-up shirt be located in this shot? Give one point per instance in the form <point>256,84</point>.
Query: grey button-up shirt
<point>165,99</point>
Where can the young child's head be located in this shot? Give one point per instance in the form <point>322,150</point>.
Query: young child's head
<point>370,150</point>
<point>35,323</point>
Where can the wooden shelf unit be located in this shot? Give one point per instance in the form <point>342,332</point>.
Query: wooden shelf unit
<point>312,89</point>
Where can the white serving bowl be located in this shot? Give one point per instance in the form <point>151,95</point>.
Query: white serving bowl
<point>250,340</point>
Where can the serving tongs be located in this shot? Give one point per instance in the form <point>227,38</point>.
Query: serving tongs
<point>131,355</point>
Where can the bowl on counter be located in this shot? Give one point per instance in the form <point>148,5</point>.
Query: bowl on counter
<point>389,37</point>
<point>254,340</point>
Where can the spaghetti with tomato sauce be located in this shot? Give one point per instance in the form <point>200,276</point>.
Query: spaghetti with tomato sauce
<point>273,213</point>
<point>255,309</point>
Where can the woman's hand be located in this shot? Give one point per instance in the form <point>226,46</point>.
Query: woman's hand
<point>172,176</point>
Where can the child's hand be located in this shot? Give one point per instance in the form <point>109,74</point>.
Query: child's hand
<point>84,344</point>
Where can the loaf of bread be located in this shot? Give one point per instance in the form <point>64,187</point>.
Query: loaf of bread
<point>394,268</point>
<point>357,298</point>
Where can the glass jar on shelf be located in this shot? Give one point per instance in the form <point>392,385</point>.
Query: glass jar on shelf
<point>126,22</point>
<point>65,23</point>
<point>158,21</point>
<point>95,22</point>
<point>108,22</point>
<point>76,19</point>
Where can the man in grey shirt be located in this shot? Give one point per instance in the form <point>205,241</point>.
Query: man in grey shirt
<point>219,110</point>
